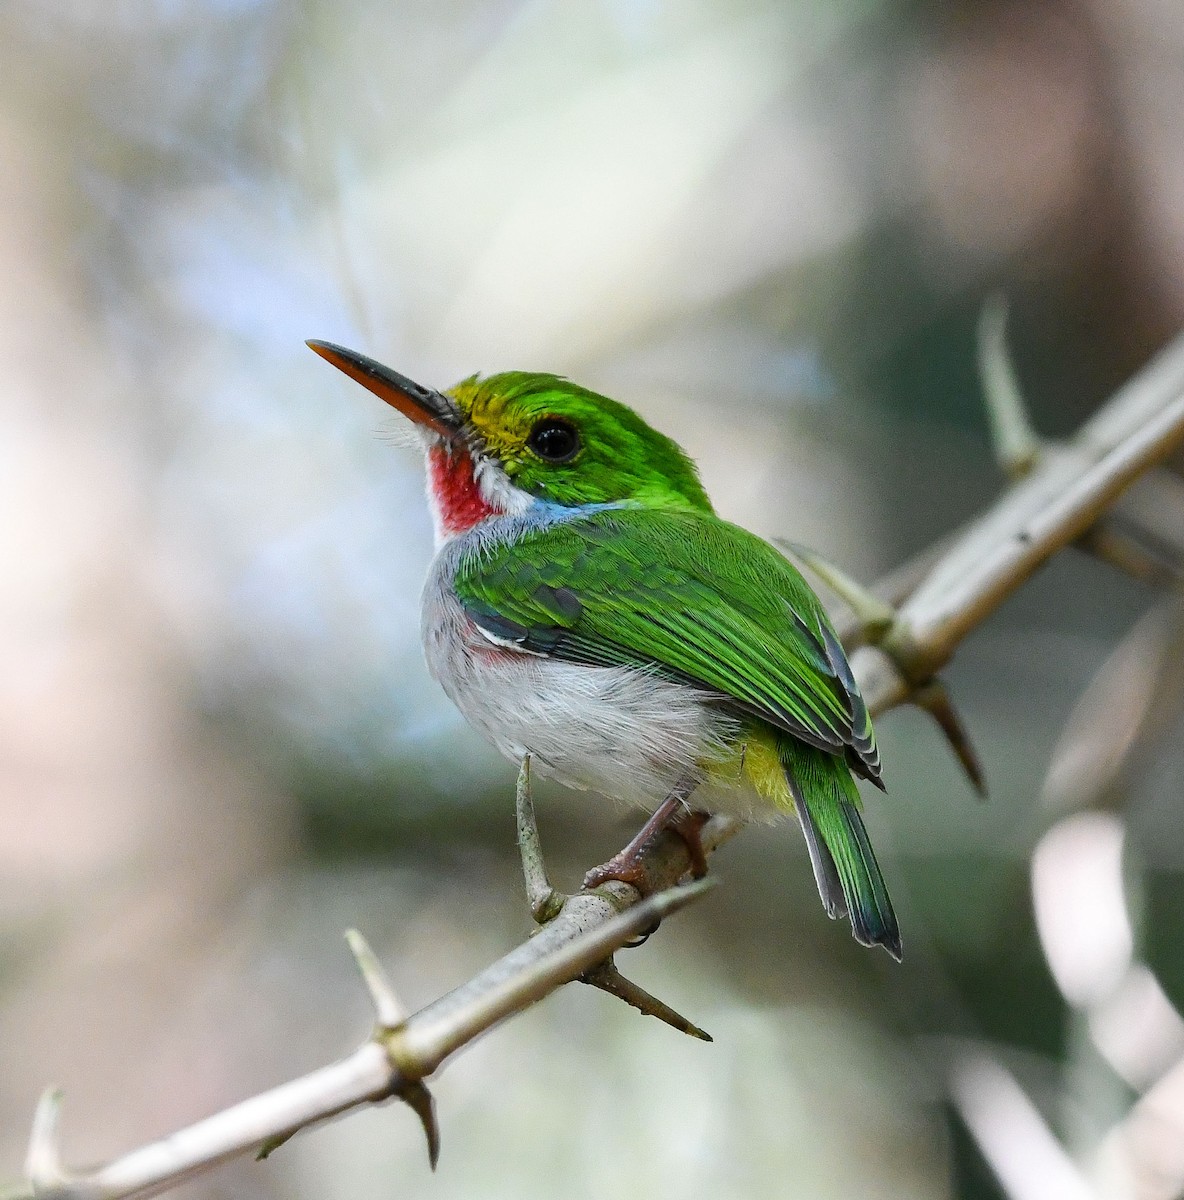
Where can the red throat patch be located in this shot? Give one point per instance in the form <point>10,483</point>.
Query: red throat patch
<point>458,498</point>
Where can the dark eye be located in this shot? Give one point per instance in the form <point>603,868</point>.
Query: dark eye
<point>554,440</point>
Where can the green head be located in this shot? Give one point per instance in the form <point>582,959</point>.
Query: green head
<point>541,435</point>
<point>563,443</point>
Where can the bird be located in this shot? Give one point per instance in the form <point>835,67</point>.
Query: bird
<point>588,607</point>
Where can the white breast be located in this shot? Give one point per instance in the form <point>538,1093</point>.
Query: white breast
<point>618,730</point>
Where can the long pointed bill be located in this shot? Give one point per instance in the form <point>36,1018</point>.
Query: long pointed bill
<point>425,407</point>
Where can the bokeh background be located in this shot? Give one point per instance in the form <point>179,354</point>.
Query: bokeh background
<point>768,226</point>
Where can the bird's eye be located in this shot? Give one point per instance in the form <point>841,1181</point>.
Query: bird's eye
<point>554,440</point>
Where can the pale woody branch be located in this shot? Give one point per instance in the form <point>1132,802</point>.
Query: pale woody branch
<point>1065,488</point>
<point>1070,488</point>
<point>392,1063</point>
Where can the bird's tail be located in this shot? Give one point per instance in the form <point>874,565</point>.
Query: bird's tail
<point>845,869</point>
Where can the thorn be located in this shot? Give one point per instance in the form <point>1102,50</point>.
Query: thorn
<point>43,1166</point>
<point>272,1144</point>
<point>410,1087</point>
<point>545,902</point>
<point>609,979</point>
<point>876,616</point>
<point>1017,448</point>
<point>1109,540</point>
<point>388,1008</point>
<point>421,1102</point>
<point>935,700</point>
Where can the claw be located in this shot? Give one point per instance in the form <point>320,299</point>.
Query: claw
<point>644,936</point>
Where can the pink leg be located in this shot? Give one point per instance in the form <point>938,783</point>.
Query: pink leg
<point>688,824</point>
<point>629,865</point>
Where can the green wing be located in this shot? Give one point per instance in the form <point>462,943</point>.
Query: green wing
<point>687,595</point>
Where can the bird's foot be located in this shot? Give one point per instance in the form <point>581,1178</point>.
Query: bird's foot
<point>629,865</point>
<point>688,824</point>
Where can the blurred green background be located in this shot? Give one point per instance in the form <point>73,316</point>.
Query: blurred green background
<point>770,228</point>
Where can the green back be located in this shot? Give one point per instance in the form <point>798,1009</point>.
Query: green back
<point>683,593</point>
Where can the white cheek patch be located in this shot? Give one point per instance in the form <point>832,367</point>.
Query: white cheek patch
<point>498,492</point>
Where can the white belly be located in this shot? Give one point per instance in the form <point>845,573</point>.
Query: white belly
<point>617,730</point>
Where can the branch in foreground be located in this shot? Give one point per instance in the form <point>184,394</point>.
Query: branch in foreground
<point>393,1061</point>
<point>546,903</point>
<point>1063,494</point>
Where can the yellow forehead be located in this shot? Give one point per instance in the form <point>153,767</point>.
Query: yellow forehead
<point>502,415</point>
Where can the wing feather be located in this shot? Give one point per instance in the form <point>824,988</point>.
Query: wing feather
<point>685,594</point>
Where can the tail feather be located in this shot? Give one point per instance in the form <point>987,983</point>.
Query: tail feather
<point>873,920</point>
<point>826,875</point>
<point>845,868</point>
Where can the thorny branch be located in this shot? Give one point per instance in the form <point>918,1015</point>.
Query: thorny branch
<point>1119,1013</point>
<point>1061,492</point>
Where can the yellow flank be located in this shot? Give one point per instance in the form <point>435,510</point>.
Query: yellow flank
<point>755,761</point>
<point>762,766</point>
